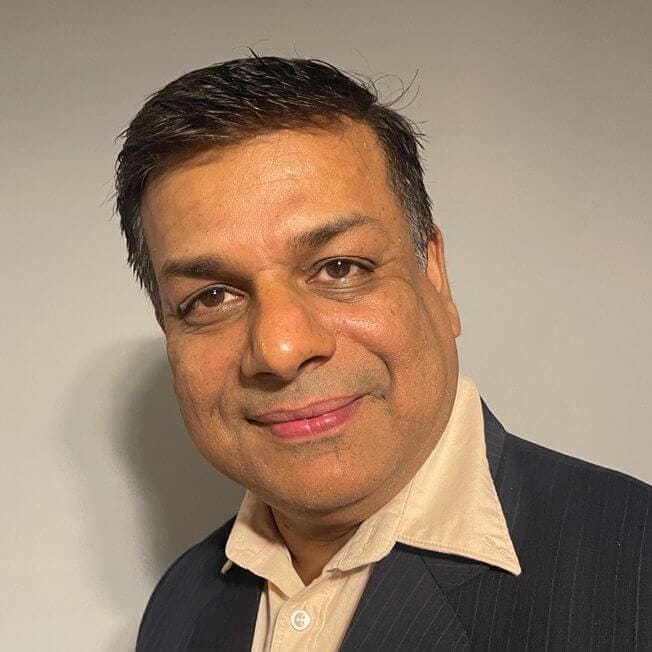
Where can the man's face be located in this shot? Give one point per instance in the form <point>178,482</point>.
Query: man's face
<point>314,360</point>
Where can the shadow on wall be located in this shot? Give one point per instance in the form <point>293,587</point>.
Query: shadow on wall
<point>145,493</point>
<point>186,497</point>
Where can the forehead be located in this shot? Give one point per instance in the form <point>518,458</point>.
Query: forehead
<point>270,186</point>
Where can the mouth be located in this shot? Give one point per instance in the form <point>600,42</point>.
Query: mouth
<point>309,422</point>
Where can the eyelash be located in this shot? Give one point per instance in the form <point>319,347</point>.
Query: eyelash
<point>364,266</point>
<point>187,306</point>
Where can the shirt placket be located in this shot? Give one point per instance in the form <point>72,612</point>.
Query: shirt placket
<point>301,618</point>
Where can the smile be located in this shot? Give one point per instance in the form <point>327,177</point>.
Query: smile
<point>311,421</point>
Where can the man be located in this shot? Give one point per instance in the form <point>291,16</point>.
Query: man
<point>276,213</point>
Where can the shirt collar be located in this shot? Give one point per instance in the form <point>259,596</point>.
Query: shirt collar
<point>449,506</point>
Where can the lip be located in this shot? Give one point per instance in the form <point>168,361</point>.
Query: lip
<point>310,421</point>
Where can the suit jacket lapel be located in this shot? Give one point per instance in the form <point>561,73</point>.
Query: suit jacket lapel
<point>403,608</point>
<point>227,622</point>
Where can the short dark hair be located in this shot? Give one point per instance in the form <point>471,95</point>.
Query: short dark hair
<point>233,101</point>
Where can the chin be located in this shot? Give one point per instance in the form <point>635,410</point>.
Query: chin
<point>321,497</point>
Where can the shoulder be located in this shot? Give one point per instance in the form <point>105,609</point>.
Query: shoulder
<point>542,485</point>
<point>190,583</point>
<point>576,517</point>
<point>572,493</point>
<point>545,468</point>
<point>581,534</point>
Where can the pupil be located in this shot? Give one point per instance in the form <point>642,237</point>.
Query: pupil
<point>212,298</point>
<point>339,268</point>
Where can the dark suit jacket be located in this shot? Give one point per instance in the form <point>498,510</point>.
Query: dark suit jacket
<point>579,531</point>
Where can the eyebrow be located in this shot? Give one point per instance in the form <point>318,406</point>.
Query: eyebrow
<point>321,235</point>
<point>210,266</point>
<point>197,267</point>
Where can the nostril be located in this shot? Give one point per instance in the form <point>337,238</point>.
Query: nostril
<point>313,362</point>
<point>285,338</point>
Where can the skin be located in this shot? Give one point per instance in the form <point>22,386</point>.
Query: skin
<point>282,326</point>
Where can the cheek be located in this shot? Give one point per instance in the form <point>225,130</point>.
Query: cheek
<point>205,377</point>
<point>396,324</point>
<point>409,333</point>
<point>202,367</point>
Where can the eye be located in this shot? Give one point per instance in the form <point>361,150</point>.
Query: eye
<point>207,300</point>
<point>340,269</point>
<point>211,297</point>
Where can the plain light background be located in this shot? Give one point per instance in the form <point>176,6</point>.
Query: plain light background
<point>539,162</point>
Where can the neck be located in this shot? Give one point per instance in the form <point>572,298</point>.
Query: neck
<point>312,548</point>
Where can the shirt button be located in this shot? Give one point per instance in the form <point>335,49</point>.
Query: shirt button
<point>300,620</point>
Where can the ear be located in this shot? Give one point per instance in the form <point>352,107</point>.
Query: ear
<point>436,273</point>
<point>161,323</point>
<point>158,311</point>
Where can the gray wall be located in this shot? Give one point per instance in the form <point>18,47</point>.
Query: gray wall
<point>540,158</point>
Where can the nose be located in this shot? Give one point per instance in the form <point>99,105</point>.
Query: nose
<point>286,335</point>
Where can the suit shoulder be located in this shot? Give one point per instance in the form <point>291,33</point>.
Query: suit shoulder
<point>193,562</point>
<point>187,584</point>
<point>582,537</point>
<point>553,496</point>
<point>549,458</point>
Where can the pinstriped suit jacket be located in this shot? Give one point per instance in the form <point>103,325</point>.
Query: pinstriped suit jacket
<point>580,531</point>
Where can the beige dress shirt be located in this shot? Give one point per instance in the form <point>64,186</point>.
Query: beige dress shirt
<point>449,506</point>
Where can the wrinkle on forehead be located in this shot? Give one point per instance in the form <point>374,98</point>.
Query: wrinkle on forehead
<point>281,177</point>
<point>279,160</point>
<point>283,156</point>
